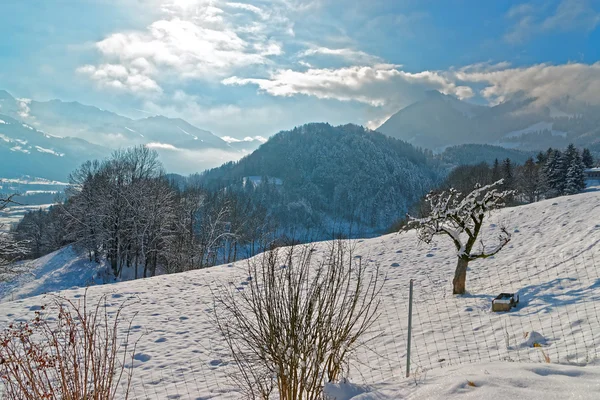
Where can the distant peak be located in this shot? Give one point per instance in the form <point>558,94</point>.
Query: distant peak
<point>5,95</point>
<point>434,94</point>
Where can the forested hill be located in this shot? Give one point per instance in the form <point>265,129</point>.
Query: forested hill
<point>331,178</point>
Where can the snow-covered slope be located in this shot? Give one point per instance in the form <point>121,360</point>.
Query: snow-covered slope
<point>550,261</point>
<point>60,270</point>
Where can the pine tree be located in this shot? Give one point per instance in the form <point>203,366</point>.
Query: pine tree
<point>587,159</point>
<point>507,174</point>
<point>575,178</point>
<point>553,176</point>
<point>496,171</point>
<point>541,158</point>
<point>528,181</point>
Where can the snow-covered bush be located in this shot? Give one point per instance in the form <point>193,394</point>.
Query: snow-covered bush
<point>298,319</point>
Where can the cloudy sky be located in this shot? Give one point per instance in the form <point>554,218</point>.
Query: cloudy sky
<point>245,68</point>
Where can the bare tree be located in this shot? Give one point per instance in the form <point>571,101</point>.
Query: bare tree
<point>11,249</point>
<point>298,320</point>
<point>461,219</point>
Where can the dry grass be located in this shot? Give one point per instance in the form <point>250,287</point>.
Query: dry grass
<point>69,351</point>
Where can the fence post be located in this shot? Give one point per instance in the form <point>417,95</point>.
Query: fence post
<point>410,299</point>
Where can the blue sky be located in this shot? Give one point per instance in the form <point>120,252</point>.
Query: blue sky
<point>246,68</point>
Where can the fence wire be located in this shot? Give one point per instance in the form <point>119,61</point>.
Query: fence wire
<point>556,320</point>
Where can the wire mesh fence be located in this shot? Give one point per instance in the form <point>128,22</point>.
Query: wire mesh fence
<point>556,320</point>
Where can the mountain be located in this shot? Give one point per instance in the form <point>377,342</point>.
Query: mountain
<point>26,151</point>
<point>442,120</point>
<point>328,178</point>
<point>107,128</point>
<point>183,147</point>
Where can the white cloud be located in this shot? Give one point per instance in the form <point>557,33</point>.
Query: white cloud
<point>569,15</point>
<point>230,139</point>
<point>183,47</point>
<point>378,85</point>
<point>353,56</point>
<point>191,39</point>
<point>249,7</point>
<point>163,146</point>
<point>23,107</point>
<point>119,77</point>
<point>580,83</point>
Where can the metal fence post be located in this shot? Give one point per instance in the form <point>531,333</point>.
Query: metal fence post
<point>410,300</point>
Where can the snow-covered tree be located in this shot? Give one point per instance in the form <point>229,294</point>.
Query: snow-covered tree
<point>575,178</point>
<point>461,218</point>
<point>553,173</point>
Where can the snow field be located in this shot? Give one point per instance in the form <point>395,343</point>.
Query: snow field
<point>552,261</point>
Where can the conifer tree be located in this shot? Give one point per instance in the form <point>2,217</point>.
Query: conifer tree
<point>587,159</point>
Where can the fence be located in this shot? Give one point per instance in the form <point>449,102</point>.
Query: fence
<point>556,320</point>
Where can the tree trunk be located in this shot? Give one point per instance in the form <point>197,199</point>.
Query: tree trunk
<point>460,277</point>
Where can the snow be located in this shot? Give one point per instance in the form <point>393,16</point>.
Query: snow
<point>32,181</point>
<point>21,149</point>
<point>257,180</point>
<point>53,272</point>
<point>131,130</point>
<point>538,127</point>
<point>187,133</point>
<point>181,355</point>
<point>49,151</point>
<point>494,381</point>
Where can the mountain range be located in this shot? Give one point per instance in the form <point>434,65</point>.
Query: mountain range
<point>48,139</point>
<point>439,121</point>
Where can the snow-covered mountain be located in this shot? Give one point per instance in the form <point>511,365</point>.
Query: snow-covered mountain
<point>460,349</point>
<point>93,133</point>
<point>25,150</point>
<point>442,120</point>
<point>106,128</point>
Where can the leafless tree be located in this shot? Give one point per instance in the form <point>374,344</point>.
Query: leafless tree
<point>298,320</point>
<point>11,249</point>
<point>461,218</point>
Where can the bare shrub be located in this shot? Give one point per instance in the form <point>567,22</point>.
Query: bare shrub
<point>69,351</point>
<point>298,320</point>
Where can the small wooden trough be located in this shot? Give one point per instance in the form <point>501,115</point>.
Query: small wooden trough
<point>505,301</point>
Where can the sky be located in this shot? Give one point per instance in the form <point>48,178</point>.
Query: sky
<point>252,68</point>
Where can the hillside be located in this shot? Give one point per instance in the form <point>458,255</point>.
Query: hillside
<point>552,261</point>
<point>329,178</point>
<point>442,120</point>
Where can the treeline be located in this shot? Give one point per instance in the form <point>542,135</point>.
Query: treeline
<point>128,212</point>
<point>550,174</point>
